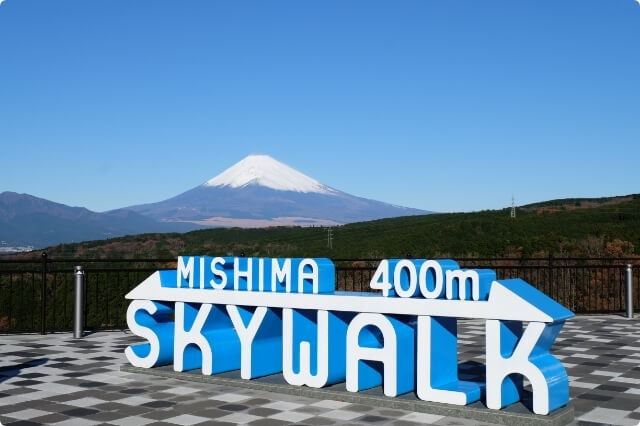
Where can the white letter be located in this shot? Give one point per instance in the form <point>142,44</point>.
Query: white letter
<point>380,279</point>
<point>304,376</point>
<point>142,331</point>
<point>237,273</point>
<point>218,273</point>
<point>386,354</point>
<point>246,335</point>
<point>397,278</point>
<point>194,336</point>
<point>530,357</point>
<point>437,363</point>
<point>185,271</point>
<point>313,275</point>
<point>437,275</point>
<point>202,260</point>
<point>462,277</point>
<point>260,275</point>
<point>278,275</point>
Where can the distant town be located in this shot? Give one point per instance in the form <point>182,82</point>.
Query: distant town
<point>4,248</point>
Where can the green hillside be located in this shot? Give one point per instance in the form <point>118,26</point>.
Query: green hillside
<point>570,227</point>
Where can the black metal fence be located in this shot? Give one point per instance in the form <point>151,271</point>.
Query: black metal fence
<point>38,296</point>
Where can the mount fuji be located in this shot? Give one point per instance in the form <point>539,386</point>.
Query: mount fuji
<point>260,191</point>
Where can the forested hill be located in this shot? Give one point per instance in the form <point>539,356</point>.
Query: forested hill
<point>570,227</point>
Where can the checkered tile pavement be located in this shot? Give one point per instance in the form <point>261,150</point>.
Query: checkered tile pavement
<point>55,379</point>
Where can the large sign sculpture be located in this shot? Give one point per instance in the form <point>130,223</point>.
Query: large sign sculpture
<point>264,316</point>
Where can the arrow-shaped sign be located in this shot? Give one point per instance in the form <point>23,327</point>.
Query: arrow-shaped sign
<point>509,300</point>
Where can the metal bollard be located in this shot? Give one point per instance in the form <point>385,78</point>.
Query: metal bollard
<point>629,291</point>
<point>78,314</point>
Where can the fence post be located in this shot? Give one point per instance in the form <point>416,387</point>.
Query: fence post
<point>78,314</point>
<point>43,294</point>
<point>629,291</point>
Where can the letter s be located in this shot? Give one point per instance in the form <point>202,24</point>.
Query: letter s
<point>150,320</point>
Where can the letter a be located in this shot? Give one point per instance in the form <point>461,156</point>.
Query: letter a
<point>382,345</point>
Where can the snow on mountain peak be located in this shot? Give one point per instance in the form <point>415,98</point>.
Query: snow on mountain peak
<point>265,171</point>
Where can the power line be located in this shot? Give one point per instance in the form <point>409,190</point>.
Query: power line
<point>330,238</point>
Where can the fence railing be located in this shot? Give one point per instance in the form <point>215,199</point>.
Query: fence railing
<point>38,296</point>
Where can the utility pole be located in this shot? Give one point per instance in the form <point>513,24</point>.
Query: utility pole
<point>330,238</point>
<point>513,207</point>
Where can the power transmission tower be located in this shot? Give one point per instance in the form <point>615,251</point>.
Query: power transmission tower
<point>513,208</point>
<point>330,238</point>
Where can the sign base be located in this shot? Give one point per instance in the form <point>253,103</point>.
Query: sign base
<point>514,415</point>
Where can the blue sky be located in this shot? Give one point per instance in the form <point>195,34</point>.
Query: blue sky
<point>441,105</point>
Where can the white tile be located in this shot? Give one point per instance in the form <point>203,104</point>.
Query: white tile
<point>107,378</point>
<point>58,388</point>
<point>134,400</point>
<point>291,416</point>
<point>608,416</point>
<point>187,419</point>
<point>341,414</point>
<point>27,414</point>
<point>626,380</point>
<point>421,418</point>
<point>229,397</point>
<point>583,385</point>
<point>584,356</point>
<point>130,421</point>
<point>84,402</point>
<point>181,390</point>
<point>327,403</point>
<point>575,349</point>
<point>239,418</point>
<point>605,373</point>
<point>283,405</point>
<point>628,361</point>
<point>77,422</point>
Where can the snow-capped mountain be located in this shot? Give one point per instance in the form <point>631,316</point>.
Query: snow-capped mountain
<point>265,171</point>
<point>261,191</point>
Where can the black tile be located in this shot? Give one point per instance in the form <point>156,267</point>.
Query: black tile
<point>611,388</point>
<point>233,407</point>
<point>104,416</point>
<point>31,375</point>
<point>90,384</point>
<point>26,383</point>
<point>257,401</point>
<point>372,419</point>
<point>50,418</point>
<point>133,391</point>
<point>210,413</point>
<point>23,354</point>
<point>64,359</point>
<point>594,397</point>
<point>266,422</point>
<point>594,364</point>
<point>262,412</point>
<point>75,374</point>
<point>158,404</point>
<point>79,412</point>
